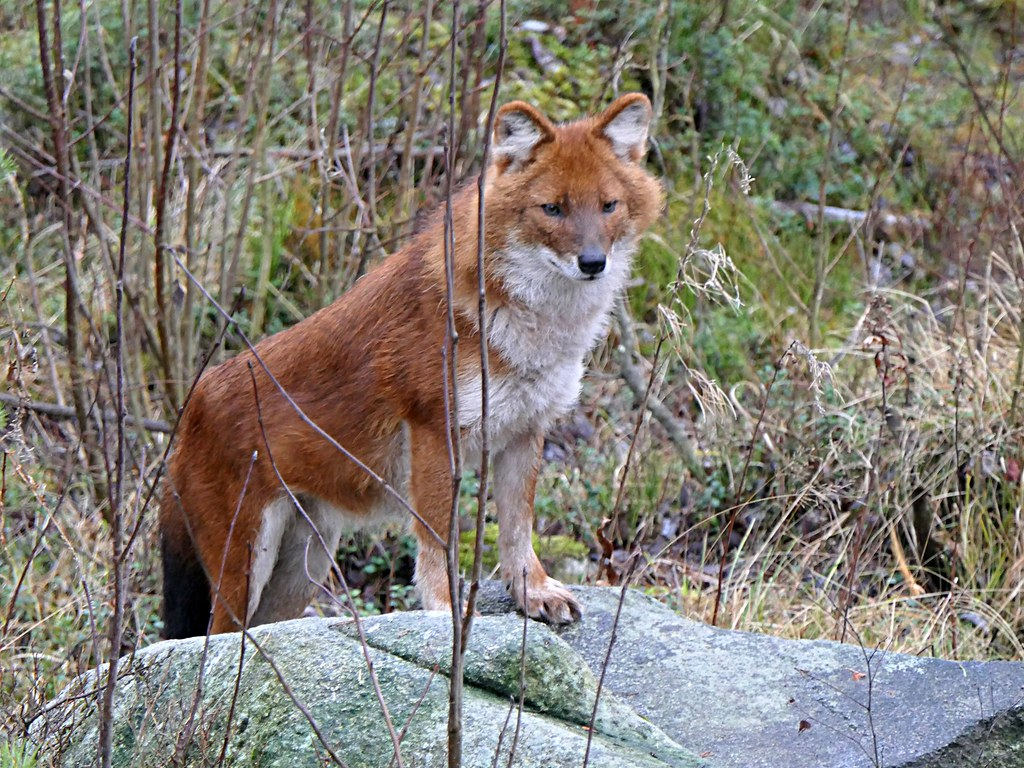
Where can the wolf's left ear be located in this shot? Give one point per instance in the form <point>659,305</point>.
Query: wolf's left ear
<point>624,124</point>
<point>518,130</point>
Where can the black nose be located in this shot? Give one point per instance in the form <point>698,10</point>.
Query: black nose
<point>591,262</point>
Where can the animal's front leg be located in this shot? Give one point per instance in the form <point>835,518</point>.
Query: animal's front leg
<point>431,487</point>
<point>515,482</point>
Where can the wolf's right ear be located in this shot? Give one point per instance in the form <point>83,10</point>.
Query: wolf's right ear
<point>518,130</point>
<point>625,124</point>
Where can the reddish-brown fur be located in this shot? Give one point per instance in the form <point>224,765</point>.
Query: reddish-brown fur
<point>368,371</point>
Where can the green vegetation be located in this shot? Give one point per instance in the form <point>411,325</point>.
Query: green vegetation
<point>17,755</point>
<point>550,549</point>
<point>851,377</point>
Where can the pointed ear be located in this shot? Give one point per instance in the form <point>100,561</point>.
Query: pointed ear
<point>624,124</point>
<point>518,130</point>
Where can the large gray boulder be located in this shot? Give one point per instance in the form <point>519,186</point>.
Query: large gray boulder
<point>750,701</point>
<point>735,699</point>
<point>304,692</point>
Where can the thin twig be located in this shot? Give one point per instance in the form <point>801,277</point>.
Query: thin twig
<point>641,410</point>
<point>501,733</point>
<point>371,162</point>
<point>413,711</point>
<point>738,505</point>
<point>234,697</point>
<point>50,59</point>
<point>485,448</point>
<point>950,38</point>
<point>522,679</point>
<point>821,271</point>
<point>174,430</point>
<point>635,381</point>
<point>395,741</point>
<point>117,494</point>
<point>187,730</point>
<point>295,700</point>
<point>406,178</point>
<point>385,486</point>
<point>608,654</point>
<point>160,235</point>
<point>449,366</point>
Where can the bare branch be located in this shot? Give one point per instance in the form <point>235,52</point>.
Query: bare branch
<point>117,559</point>
<point>63,412</point>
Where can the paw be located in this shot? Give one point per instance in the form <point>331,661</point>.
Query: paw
<point>548,601</point>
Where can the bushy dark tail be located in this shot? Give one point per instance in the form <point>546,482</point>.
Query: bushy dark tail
<point>186,589</point>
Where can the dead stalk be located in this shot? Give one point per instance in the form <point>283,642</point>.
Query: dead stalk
<point>501,733</point>
<point>415,709</point>
<point>192,223</point>
<point>630,373</point>
<point>296,700</point>
<point>230,248</point>
<point>234,698</point>
<point>52,58</point>
<point>738,504</point>
<point>451,397</point>
<point>406,190</point>
<point>642,409</point>
<point>160,268</point>
<point>172,432</point>
<point>371,157</point>
<point>821,259</point>
<point>522,681</point>
<point>117,559</point>
<point>608,654</point>
<point>485,448</point>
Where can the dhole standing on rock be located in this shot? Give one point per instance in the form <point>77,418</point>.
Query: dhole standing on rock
<point>566,207</point>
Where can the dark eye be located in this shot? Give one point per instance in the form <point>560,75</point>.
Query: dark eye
<point>552,209</point>
<point>609,206</point>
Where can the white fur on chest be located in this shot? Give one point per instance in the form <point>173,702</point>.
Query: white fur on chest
<point>517,403</point>
<point>542,335</point>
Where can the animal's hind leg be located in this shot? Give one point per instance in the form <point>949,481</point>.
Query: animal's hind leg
<point>239,559</point>
<point>303,562</point>
<point>208,555</point>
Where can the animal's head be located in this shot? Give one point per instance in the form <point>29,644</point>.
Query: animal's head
<point>572,197</point>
